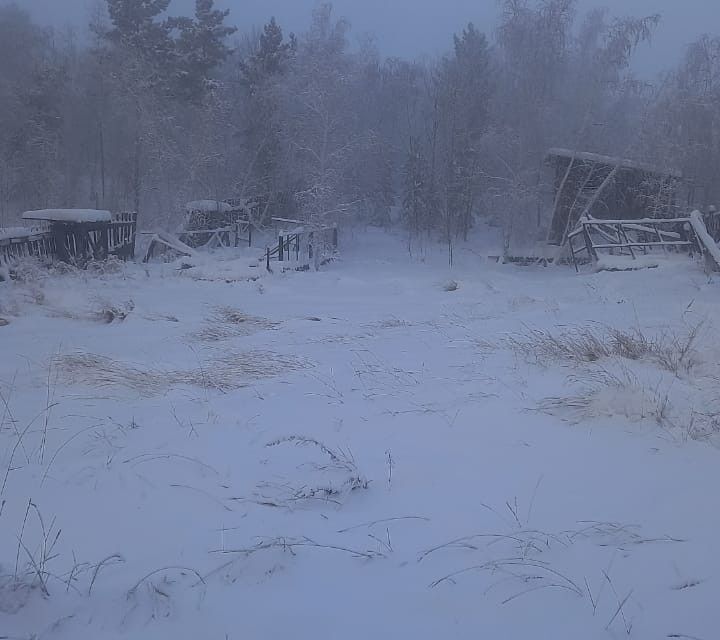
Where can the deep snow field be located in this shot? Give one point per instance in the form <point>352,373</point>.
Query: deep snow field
<point>360,452</point>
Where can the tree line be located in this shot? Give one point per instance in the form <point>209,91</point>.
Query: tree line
<point>146,111</point>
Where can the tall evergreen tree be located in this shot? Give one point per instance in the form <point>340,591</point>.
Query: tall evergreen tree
<point>260,74</point>
<point>138,30</point>
<point>201,46</point>
<point>271,58</point>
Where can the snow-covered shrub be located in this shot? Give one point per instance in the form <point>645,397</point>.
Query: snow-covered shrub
<point>111,265</point>
<point>604,393</point>
<point>109,312</point>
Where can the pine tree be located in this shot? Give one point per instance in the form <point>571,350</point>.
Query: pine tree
<point>260,74</point>
<point>137,31</point>
<point>201,46</point>
<point>271,58</point>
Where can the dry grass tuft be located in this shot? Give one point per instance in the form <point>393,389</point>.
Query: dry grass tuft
<point>227,322</point>
<point>673,352</point>
<point>603,393</point>
<point>227,372</point>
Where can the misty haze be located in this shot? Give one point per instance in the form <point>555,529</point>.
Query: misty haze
<point>379,319</point>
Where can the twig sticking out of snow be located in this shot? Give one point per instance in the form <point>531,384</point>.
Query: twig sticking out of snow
<point>292,544</point>
<point>287,495</point>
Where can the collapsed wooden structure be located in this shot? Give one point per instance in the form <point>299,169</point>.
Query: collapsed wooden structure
<point>75,236</point>
<point>635,238</point>
<point>589,185</point>
<point>605,205</point>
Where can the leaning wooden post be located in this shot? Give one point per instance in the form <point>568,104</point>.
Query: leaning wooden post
<point>267,264</point>
<point>588,240</point>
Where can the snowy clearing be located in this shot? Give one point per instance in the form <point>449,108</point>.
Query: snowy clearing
<point>385,448</point>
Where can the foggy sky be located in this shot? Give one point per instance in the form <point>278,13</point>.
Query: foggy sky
<point>413,28</point>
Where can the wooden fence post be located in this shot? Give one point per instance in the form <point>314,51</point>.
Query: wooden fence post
<point>281,249</point>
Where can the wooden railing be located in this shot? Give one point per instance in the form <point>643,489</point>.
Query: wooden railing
<point>304,247</point>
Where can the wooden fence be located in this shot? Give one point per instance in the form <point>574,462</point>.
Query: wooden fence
<point>36,242</point>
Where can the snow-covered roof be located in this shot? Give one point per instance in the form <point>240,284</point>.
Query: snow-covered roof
<point>208,206</point>
<point>68,215</point>
<point>624,163</point>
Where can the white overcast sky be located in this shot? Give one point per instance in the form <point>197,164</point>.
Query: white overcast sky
<point>412,28</point>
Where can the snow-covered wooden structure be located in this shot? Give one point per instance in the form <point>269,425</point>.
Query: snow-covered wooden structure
<point>593,186</point>
<point>75,236</point>
<point>80,235</point>
<point>216,223</point>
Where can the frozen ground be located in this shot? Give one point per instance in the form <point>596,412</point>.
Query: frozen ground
<point>360,452</point>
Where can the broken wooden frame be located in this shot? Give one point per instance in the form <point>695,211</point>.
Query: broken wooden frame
<point>641,237</point>
<point>589,185</point>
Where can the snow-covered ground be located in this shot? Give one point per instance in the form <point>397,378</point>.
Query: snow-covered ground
<point>367,451</point>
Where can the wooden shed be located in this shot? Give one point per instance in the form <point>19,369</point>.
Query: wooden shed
<point>602,187</point>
